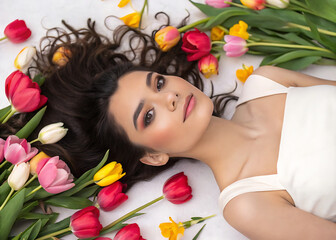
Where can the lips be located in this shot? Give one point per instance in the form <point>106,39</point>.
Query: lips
<point>188,106</point>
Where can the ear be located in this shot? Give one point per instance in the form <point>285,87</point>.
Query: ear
<point>155,159</point>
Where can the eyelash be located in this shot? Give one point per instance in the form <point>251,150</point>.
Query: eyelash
<point>149,116</point>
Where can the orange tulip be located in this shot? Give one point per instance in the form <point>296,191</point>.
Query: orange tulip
<point>167,38</point>
<point>243,74</point>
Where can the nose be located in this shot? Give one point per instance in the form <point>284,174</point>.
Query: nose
<point>171,100</point>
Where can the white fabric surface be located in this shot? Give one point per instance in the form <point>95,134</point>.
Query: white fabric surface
<point>42,14</point>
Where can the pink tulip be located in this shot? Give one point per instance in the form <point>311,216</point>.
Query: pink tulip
<point>54,175</point>
<point>17,31</point>
<point>2,145</point>
<point>176,189</point>
<point>167,38</point>
<point>129,232</point>
<point>85,223</point>
<point>235,46</point>
<point>18,150</point>
<point>218,3</point>
<point>254,4</point>
<point>197,44</point>
<point>112,196</point>
<point>23,93</point>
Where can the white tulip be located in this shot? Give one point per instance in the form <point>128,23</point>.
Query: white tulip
<point>24,58</point>
<point>52,133</point>
<point>19,176</point>
<point>278,3</point>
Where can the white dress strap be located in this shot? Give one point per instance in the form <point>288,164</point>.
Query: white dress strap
<point>252,184</point>
<point>257,86</point>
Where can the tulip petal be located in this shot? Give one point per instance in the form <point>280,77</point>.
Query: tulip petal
<point>83,211</point>
<point>104,171</point>
<point>60,188</point>
<point>47,175</point>
<point>15,153</point>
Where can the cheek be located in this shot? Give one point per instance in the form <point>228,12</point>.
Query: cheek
<point>162,137</point>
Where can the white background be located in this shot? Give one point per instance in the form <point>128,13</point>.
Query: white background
<point>43,14</point>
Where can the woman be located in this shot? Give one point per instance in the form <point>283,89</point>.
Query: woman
<point>137,103</point>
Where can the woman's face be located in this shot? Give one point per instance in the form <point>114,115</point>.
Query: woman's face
<point>160,112</point>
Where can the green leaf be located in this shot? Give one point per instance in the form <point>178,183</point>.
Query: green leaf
<point>3,177</point>
<point>69,202</point>
<point>4,112</point>
<point>207,9</point>
<point>295,55</point>
<point>325,8</point>
<point>39,79</point>
<point>33,216</point>
<point>27,208</point>
<point>32,231</point>
<point>222,17</point>
<point>199,232</point>
<point>9,214</point>
<point>88,191</point>
<point>301,63</point>
<point>4,190</point>
<point>268,59</point>
<point>55,227</point>
<point>31,125</point>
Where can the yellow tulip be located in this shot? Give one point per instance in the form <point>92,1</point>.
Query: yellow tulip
<point>172,230</point>
<point>208,65</point>
<point>239,30</point>
<point>123,3</point>
<point>108,174</point>
<point>132,20</point>
<point>243,74</point>
<point>35,160</point>
<point>217,33</point>
<point>61,56</point>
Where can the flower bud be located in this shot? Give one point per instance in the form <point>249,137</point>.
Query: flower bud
<point>108,174</point>
<point>167,38</point>
<point>18,150</point>
<point>24,58</point>
<point>235,46</point>
<point>278,3</point>
<point>52,133</point>
<point>254,4</point>
<point>208,65</point>
<point>61,56</point>
<point>176,189</point>
<point>85,223</point>
<point>112,196</point>
<point>35,160</point>
<point>17,31</point>
<point>196,44</point>
<point>218,3</point>
<point>19,176</point>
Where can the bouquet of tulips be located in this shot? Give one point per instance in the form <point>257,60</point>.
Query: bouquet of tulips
<point>290,33</point>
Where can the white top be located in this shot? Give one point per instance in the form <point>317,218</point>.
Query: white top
<point>306,166</point>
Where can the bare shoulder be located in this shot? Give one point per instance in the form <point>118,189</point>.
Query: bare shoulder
<point>267,215</point>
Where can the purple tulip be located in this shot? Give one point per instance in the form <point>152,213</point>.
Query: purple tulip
<point>218,3</point>
<point>18,150</point>
<point>235,46</point>
<point>2,145</point>
<point>54,175</point>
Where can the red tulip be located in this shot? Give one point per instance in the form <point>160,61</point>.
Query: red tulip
<point>111,197</point>
<point>208,65</point>
<point>176,189</point>
<point>23,93</point>
<point>129,232</point>
<point>17,31</point>
<point>85,223</point>
<point>102,238</point>
<point>197,44</point>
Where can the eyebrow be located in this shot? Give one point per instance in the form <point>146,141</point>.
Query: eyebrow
<point>141,104</point>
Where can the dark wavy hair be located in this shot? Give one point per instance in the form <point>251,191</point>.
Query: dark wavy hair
<point>79,92</point>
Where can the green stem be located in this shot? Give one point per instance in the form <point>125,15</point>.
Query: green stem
<point>188,224</point>
<point>3,38</point>
<point>3,164</point>
<point>26,184</point>
<point>131,213</point>
<point>287,46</point>
<point>35,140</point>
<point>5,115</point>
<point>10,168</point>
<point>55,233</point>
<point>235,4</point>
<point>35,190</point>
<point>217,42</point>
<point>308,29</point>
<point>187,27</point>
<point>142,11</point>
<point>12,111</point>
<point>6,200</point>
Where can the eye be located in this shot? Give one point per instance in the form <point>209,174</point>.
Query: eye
<point>160,82</point>
<point>148,118</point>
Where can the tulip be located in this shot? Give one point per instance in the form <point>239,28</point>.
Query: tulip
<point>52,133</point>
<point>24,58</point>
<point>102,238</point>
<point>196,44</point>
<point>35,160</point>
<point>17,31</point>
<point>19,176</point>
<point>111,197</point>
<point>243,74</point>
<point>235,46</point>
<point>54,175</point>
<point>18,150</point>
<point>23,93</point>
<point>218,3</point>
<point>108,174</point>
<point>176,189</point>
<point>239,30</point>
<point>123,3</point>
<point>278,3</point>
<point>208,65</point>
<point>217,33</point>
<point>167,38</point>
<point>61,56</point>
<point>85,223</point>
<point>129,232</point>
<point>132,20</point>
<point>2,145</point>
<point>172,230</point>
<point>254,4</point>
